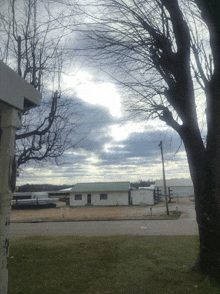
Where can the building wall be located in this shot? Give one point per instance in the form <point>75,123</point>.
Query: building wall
<point>142,196</point>
<point>113,198</point>
<point>74,202</point>
<point>179,191</point>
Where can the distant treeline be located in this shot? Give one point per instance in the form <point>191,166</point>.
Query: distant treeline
<point>41,188</point>
<point>142,184</point>
<point>48,187</point>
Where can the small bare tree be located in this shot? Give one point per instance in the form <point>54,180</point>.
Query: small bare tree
<point>33,45</point>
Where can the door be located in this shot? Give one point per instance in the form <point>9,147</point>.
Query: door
<point>129,198</point>
<point>88,198</point>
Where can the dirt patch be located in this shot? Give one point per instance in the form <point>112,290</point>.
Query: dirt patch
<point>65,213</point>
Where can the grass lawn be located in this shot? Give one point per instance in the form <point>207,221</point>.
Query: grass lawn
<point>113,264</point>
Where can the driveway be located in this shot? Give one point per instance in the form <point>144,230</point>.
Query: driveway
<point>186,225</point>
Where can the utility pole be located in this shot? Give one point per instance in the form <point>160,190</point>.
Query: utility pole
<point>164,180</point>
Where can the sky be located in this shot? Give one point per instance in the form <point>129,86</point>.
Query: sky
<point>116,146</point>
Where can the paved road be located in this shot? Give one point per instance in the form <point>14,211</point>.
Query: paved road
<point>186,225</point>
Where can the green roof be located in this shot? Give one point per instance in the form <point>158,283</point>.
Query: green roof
<point>101,187</point>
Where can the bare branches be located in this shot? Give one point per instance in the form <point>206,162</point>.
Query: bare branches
<point>145,45</point>
<point>36,50</point>
<point>45,126</point>
<point>31,42</point>
<point>57,133</point>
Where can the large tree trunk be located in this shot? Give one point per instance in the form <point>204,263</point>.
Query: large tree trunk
<point>204,164</point>
<point>207,174</point>
<point>208,218</point>
<point>209,203</point>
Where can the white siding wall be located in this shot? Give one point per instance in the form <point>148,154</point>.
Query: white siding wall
<point>142,197</point>
<point>74,202</point>
<point>113,198</point>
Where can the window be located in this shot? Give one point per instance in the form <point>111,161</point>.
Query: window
<point>103,196</point>
<point>78,196</point>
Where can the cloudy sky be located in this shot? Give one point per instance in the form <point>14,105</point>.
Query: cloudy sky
<point>116,147</point>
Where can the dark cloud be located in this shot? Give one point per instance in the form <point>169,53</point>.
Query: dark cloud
<point>136,157</point>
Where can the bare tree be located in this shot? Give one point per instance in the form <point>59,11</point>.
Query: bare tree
<point>49,131</point>
<point>152,49</point>
<point>33,46</point>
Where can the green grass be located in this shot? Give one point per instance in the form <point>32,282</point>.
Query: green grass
<point>113,264</point>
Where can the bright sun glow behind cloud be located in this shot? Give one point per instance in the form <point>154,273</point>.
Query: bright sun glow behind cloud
<point>122,132</point>
<point>104,94</point>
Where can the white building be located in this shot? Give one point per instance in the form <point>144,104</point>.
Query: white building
<point>142,196</point>
<point>104,193</point>
<point>178,187</point>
